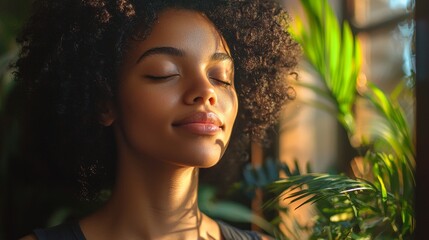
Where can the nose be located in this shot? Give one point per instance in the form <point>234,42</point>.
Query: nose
<point>200,90</point>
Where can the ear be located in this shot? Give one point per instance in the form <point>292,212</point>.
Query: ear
<point>108,115</point>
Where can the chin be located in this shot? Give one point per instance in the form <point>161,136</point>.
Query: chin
<point>209,164</point>
<point>206,161</point>
<point>202,159</point>
<point>197,154</point>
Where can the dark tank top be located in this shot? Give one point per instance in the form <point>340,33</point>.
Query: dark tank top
<point>72,231</point>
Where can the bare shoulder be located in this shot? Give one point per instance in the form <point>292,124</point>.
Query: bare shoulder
<point>29,237</point>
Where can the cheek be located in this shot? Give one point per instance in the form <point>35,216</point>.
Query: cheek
<point>147,102</point>
<point>143,117</point>
<point>229,103</point>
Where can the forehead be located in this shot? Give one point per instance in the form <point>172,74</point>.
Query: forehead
<point>187,30</point>
<point>182,23</point>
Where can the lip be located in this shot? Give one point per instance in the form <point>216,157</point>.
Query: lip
<point>201,123</point>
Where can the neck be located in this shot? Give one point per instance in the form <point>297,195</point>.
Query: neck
<point>159,187</point>
<point>153,201</point>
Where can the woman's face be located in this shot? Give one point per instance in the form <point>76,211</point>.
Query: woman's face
<point>176,101</point>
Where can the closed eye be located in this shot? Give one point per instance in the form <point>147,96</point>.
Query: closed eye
<point>153,77</point>
<point>221,81</point>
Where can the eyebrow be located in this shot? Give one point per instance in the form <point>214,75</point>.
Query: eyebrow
<point>162,50</point>
<point>179,53</point>
<point>221,57</point>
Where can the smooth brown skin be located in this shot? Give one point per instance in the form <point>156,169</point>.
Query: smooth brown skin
<point>155,194</point>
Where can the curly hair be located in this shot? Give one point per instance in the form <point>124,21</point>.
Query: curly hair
<point>72,49</point>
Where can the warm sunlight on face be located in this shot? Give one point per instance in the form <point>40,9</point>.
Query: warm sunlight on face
<point>176,101</point>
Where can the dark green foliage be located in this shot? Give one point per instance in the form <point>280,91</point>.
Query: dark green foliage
<point>381,204</point>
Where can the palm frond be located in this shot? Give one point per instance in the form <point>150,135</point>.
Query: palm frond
<point>334,53</point>
<point>382,203</point>
<point>318,186</point>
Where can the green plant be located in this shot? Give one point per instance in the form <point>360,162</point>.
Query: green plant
<point>379,204</point>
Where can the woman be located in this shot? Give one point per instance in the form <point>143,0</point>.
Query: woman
<point>143,94</point>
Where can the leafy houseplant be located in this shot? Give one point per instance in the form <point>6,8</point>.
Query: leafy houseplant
<point>380,203</point>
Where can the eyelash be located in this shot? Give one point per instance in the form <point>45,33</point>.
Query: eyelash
<point>160,77</point>
<point>221,81</point>
<point>168,76</point>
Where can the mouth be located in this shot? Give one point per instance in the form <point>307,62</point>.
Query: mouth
<point>201,123</point>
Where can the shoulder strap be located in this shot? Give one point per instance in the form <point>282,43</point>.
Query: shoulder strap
<point>70,231</point>
<point>231,233</point>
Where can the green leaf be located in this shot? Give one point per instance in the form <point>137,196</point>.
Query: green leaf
<point>383,189</point>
